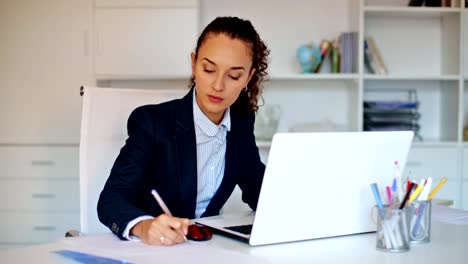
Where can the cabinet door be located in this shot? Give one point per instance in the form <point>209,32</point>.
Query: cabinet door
<point>32,227</point>
<point>155,42</point>
<point>40,70</point>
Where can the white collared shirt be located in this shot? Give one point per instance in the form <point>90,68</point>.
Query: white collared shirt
<point>211,152</point>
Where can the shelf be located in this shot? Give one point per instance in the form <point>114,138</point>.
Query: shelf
<point>412,78</point>
<point>413,11</point>
<point>315,76</point>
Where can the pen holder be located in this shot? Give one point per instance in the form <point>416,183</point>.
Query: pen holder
<point>419,219</point>
<point>392,230</point>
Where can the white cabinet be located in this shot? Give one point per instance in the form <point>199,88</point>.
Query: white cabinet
<point>39,193</point>
<point>144,39</point>
<point>32,227</point>
<point>44,60</point>
<point>45,55</point>
<point>435,162</point>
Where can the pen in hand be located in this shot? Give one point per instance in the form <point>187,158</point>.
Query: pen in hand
<point>163,206</point>
<point>161,202</point>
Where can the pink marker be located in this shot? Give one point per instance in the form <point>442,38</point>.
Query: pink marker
<point>389,196</point>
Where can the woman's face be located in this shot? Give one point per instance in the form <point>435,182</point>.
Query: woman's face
<point>222,69</point>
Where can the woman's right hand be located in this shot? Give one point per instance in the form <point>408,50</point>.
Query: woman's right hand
<point>162,230</point>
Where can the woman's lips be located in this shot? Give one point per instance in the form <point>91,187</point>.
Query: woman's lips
<point>215,99</point>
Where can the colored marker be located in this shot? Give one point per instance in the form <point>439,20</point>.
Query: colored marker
<point>375,190</point>
<point>411,185</point>
<point>389,196</point>
<point>436,189</point>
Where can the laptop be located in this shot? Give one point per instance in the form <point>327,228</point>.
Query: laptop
<point>317,185</point>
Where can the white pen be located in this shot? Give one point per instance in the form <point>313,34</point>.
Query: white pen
<point>161,202</point>
<point>163,205</point>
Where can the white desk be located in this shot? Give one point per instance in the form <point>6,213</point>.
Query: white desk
<point>449,245</point>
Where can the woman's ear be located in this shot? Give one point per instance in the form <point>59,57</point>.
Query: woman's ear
<point>194,60</point>
<point>252,72</point>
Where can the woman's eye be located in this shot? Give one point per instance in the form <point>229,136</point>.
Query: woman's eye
<point>208,71</point>
<point>234,77</point>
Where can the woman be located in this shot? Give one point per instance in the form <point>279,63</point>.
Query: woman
<point>193,150</point>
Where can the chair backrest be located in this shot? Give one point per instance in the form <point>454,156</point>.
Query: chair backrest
<point>103,133</point>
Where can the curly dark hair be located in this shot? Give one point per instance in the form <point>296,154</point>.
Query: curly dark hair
<point>241,29</point>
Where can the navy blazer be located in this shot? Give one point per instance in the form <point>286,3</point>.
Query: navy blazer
<point>161,153</point>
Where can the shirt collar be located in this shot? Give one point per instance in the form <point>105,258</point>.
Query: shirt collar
<point>205,124</point>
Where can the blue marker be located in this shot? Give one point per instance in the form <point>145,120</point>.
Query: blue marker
<point>394,185</point>
<point>375,190</point>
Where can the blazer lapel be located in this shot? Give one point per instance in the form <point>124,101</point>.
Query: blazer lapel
<point>186,157</point>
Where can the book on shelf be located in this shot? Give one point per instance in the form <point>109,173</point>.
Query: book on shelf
<point>348,52</point>
<point>335,57</point>
<point>369,62</point>
<point>375,63</point>
<point>325,50</point>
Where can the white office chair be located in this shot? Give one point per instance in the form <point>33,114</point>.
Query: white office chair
<point>103,133</point>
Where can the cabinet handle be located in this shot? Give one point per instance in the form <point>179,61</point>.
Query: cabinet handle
<point>43,196</point>
<point>44,228</point>
<point>42,163</point>
<point>414,163</point>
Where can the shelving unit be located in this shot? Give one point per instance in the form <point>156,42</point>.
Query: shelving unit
<point>423,49</point>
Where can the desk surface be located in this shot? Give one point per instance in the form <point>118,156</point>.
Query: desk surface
<point>449,245</point>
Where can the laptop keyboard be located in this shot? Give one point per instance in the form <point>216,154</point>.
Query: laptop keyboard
<point>244,229</point>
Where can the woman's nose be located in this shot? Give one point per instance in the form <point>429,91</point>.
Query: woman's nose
<point>218,84</point>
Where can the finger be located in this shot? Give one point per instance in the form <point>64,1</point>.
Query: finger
<point>170,237</point>
<point>171,229</point>
<point>155,234</point>
<point>179,225</point>
<point>185,224</point>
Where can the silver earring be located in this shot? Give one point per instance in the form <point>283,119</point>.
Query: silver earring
<point>245,89</point>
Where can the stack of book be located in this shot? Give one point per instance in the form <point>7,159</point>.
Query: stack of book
<point>342,53</point>
<point>392,116</point>
<point>373,58</point>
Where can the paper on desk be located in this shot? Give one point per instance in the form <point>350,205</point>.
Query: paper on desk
<point>136,251</point>
<point>449,215</point>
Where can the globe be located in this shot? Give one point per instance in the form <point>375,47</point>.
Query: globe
<point>309,57</point>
